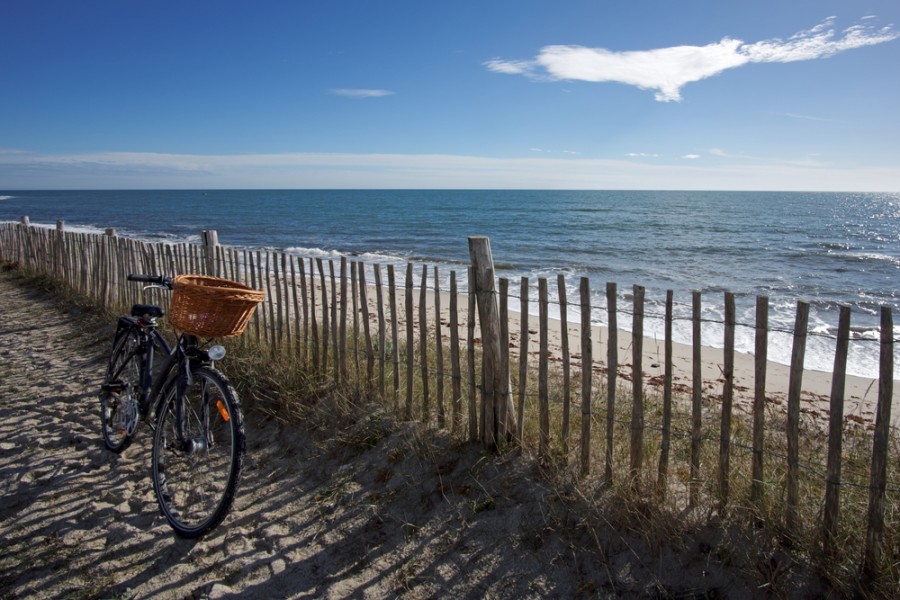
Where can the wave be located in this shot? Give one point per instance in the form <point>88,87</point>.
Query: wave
<point>6,197</point>
<point>877,257</point>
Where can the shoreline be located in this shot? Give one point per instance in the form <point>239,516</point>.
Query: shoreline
<point>860,393</point>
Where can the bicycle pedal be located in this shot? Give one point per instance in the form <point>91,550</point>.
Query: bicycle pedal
<point>114,387</point>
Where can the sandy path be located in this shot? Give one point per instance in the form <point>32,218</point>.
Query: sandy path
<point>368,511</point>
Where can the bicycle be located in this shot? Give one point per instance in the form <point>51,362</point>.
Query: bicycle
<point>198,428</point>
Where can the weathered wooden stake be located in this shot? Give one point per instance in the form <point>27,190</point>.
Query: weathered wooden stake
<point>497,374</point>
<point>760,358</point>
<point>662,482</point>
<point>727,401</point>
<point>835,434</point>
<point>878,477</point>
<point>637,386</point>
<point>587,364</point>
<point>612,371</point>
<point>543,369</point>
<point>795,385</point>
<point>696,398</point>
<point>567,383</point>
<point>523,357</point>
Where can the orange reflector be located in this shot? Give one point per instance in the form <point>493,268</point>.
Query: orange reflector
<point>222,410</point>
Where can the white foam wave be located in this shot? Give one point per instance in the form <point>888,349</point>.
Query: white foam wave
<point>6,197</point>
<point>877,257</point>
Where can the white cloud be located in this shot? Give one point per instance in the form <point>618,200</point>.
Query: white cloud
<point>642,155</point>
<point>668,70</point>
<point>510,67</point>
<point>691,156</point>
<point>361,93</point>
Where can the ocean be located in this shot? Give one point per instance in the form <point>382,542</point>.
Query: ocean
<point>825,248</point>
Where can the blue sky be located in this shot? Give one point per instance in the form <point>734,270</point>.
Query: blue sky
<point>775,95</point>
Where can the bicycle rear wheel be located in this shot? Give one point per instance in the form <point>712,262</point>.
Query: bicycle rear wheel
<point>120,392</point>
<point>195,475</point>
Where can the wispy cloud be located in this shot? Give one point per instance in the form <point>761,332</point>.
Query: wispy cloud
<point>642,155</point>
<point>668,70</point>
<point>691,156</point>
<point>361,93</point>
<point>137,170</point>
<point>809,118</point>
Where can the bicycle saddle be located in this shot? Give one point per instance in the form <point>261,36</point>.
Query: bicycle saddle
<point>147,310</point>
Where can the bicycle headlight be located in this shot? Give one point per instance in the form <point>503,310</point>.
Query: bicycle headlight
<point>216,352</point>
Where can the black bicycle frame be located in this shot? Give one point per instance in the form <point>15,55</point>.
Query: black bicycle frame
<point>147,335</point>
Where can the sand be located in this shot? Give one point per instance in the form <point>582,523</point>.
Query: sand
<point>375,510</point>
<point>860,394</point>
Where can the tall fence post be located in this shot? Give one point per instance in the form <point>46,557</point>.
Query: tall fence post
<point>612,370</point>
<point>835,434</point>
<point>727,401</point>
<point>663,472</point>
<point>760,358</point>
<point>496,375</point>
<point>59,266</point>
<point>878,477</point>
<point>696,396</point>
<point>587,372</point>
<point>637,386</point>
<point>795,385</point>
<point>210,240</point>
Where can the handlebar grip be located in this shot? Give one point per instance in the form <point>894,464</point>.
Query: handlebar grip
<point>157,279</point>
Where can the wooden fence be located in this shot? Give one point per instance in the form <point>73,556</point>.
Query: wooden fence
<point>323,313</point>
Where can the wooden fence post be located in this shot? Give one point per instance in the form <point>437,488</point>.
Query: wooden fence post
<point>470,356</point>
<point>543,369</point>
<point>395,335</point>
<point>342,332</point>
<point>587,375</point>
<point>60,267</point>
<point>364,306</point>
<point>612,372</point>
<point>727,401</point>
<point>760,358</point>
<point>423,344</point>
<point>497,374</point>
<point>439,351</point>
<point>523,356</point>
<point>795,385</point>
<point>455,370</point>
<point>382,334</point>
<point>696,397</point>
<point>564,331</point>
<point>210,240</point>
<point>878,477</point>
<point>323,294</point>
<point>637,386</point>
<point>410,341</point>
<point>313,320</point>
<point>835,434</point>
<point>663,473</point>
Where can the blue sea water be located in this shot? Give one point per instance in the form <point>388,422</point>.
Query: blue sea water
<point>826,248</point>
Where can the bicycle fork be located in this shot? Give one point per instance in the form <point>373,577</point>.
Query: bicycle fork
<point>203,442</point>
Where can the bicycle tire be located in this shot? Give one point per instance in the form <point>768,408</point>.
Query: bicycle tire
<point>195,482</point>
<point>120,392</point>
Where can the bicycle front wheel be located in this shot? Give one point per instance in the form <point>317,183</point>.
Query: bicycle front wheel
<point>198,451</point>
<point>120,392</point>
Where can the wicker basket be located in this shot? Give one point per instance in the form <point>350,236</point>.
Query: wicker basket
<point>211,307</point>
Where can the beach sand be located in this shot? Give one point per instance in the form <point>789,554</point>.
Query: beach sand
<point>371,509</point>
<point>860,394</point>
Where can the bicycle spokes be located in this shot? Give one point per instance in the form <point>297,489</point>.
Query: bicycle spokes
<point>197,452</point>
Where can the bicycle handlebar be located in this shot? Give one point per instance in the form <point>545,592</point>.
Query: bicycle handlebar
<point>157,279</point>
